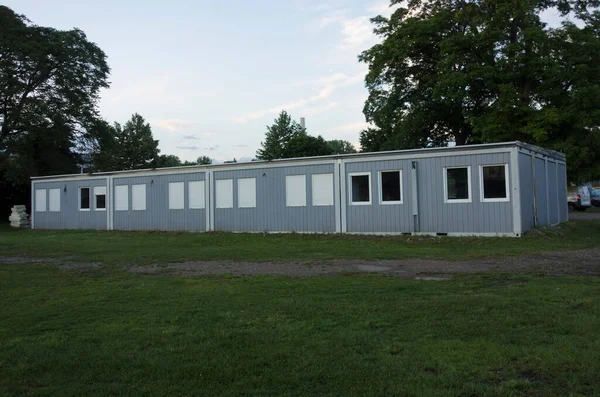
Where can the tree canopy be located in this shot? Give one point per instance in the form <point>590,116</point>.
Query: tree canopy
<point>285,138</point>
<point>472,71</point>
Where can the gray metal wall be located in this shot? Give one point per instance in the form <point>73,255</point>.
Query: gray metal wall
<point>376,217</point>
<point>70,217</point>
<point>527,194</point>
<point>543,191</point>
<point>435,216</point>
<point>562,192</point>
<point>271,213</point>
<point>157,215</point>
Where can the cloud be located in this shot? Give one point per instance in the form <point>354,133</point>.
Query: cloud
<point>354,128</point>
<point>187,147</point>
<point>173,124</point>
<point>212,148</point>
<point>190,137</point>
<point>314,110</point>
<point>240,146</point>
<point>328,85</point>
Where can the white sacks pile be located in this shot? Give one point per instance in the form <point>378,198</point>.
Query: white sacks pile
<point>18,216</point>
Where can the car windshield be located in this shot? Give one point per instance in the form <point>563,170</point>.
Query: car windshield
<point>596,193</point>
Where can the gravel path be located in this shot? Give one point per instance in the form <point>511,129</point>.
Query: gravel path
<point>579,262</point>
<point>587,215</point>
<point>582,262</point>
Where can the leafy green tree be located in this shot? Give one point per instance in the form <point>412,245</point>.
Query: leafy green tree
<point>203,160</point>
<point>168,160</point>
<point>304,145</point>
<point>278,136</point>
<point>137,148</point>
<point>339,146</point>
<point>486,71</point>
<point>46,72</point>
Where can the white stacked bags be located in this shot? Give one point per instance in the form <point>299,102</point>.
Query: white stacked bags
<point>18,216</point>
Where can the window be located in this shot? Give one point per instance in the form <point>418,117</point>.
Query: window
<point>54,200</point>
<point>457,184</point>
<point>176,200</point>
<point>196,195</point>
<point>247,193</point>
<point>40,200</point>
<point>390,187</point>
<point>224,193</point>
<point>84,199</point>
<point>322,189</point>
<point>295,190</point>
<point>360,185</point>
<point>494,182</point>
<point>100,198</point>
<point>138,197</point>
<point>121,198</point>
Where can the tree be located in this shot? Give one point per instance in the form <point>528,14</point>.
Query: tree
<point>127,147</point>
<point>278,136</point>
<point>304,145</point>
<point>46,72</point>
<point>203,160</point>
<point>486,71</point>
<point>339,146</point>
<point>168,160</point>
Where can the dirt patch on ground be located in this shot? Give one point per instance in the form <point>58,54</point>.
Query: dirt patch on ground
<point>587,215</point>
<point>78,266</point>
<point>581,262</point>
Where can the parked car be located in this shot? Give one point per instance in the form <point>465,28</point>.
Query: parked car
<point>579,200</point>
<point>595,194</point>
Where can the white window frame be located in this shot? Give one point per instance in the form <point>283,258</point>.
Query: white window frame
<point>330,194</point>
<point>52,192</point>
<point>89,198</point>
<point>296,202</point>
<point>350,175</point>
<point>243,201</point>
<point>176,191</point>
<point>196,203</point>
<point>481,192</point>
<point>133,202</point>
<point>469,190</point>
<point>96,194</point>
<point>41,204</point>
<point>395,202</point>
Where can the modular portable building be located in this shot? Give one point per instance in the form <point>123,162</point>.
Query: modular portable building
<point>500,189</point>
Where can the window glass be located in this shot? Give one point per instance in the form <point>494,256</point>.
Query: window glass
<point>84,198</point>
<point>100,197</point>
<point>458,183</point>
<point>390,186</point>
<point>360,189</point>
<point>494,182</point>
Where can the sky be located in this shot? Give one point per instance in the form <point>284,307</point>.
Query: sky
<point>209,76</point>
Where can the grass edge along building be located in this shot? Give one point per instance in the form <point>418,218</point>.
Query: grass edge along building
<point>498,189</point>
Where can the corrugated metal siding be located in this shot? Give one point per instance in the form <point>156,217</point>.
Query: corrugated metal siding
<point>542,200</point>
<point>526,181</point>
<point>157,215</point>
<point>435,215</point>
<point>271,213</point>
<point>562,193</point>
<point>553,193</point>
<point>70,217</point>
<point>386,218</point>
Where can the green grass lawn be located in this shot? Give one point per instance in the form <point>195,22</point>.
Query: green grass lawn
<point>106,331</point>
<point>152,247</point>
<point>109,332</point>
